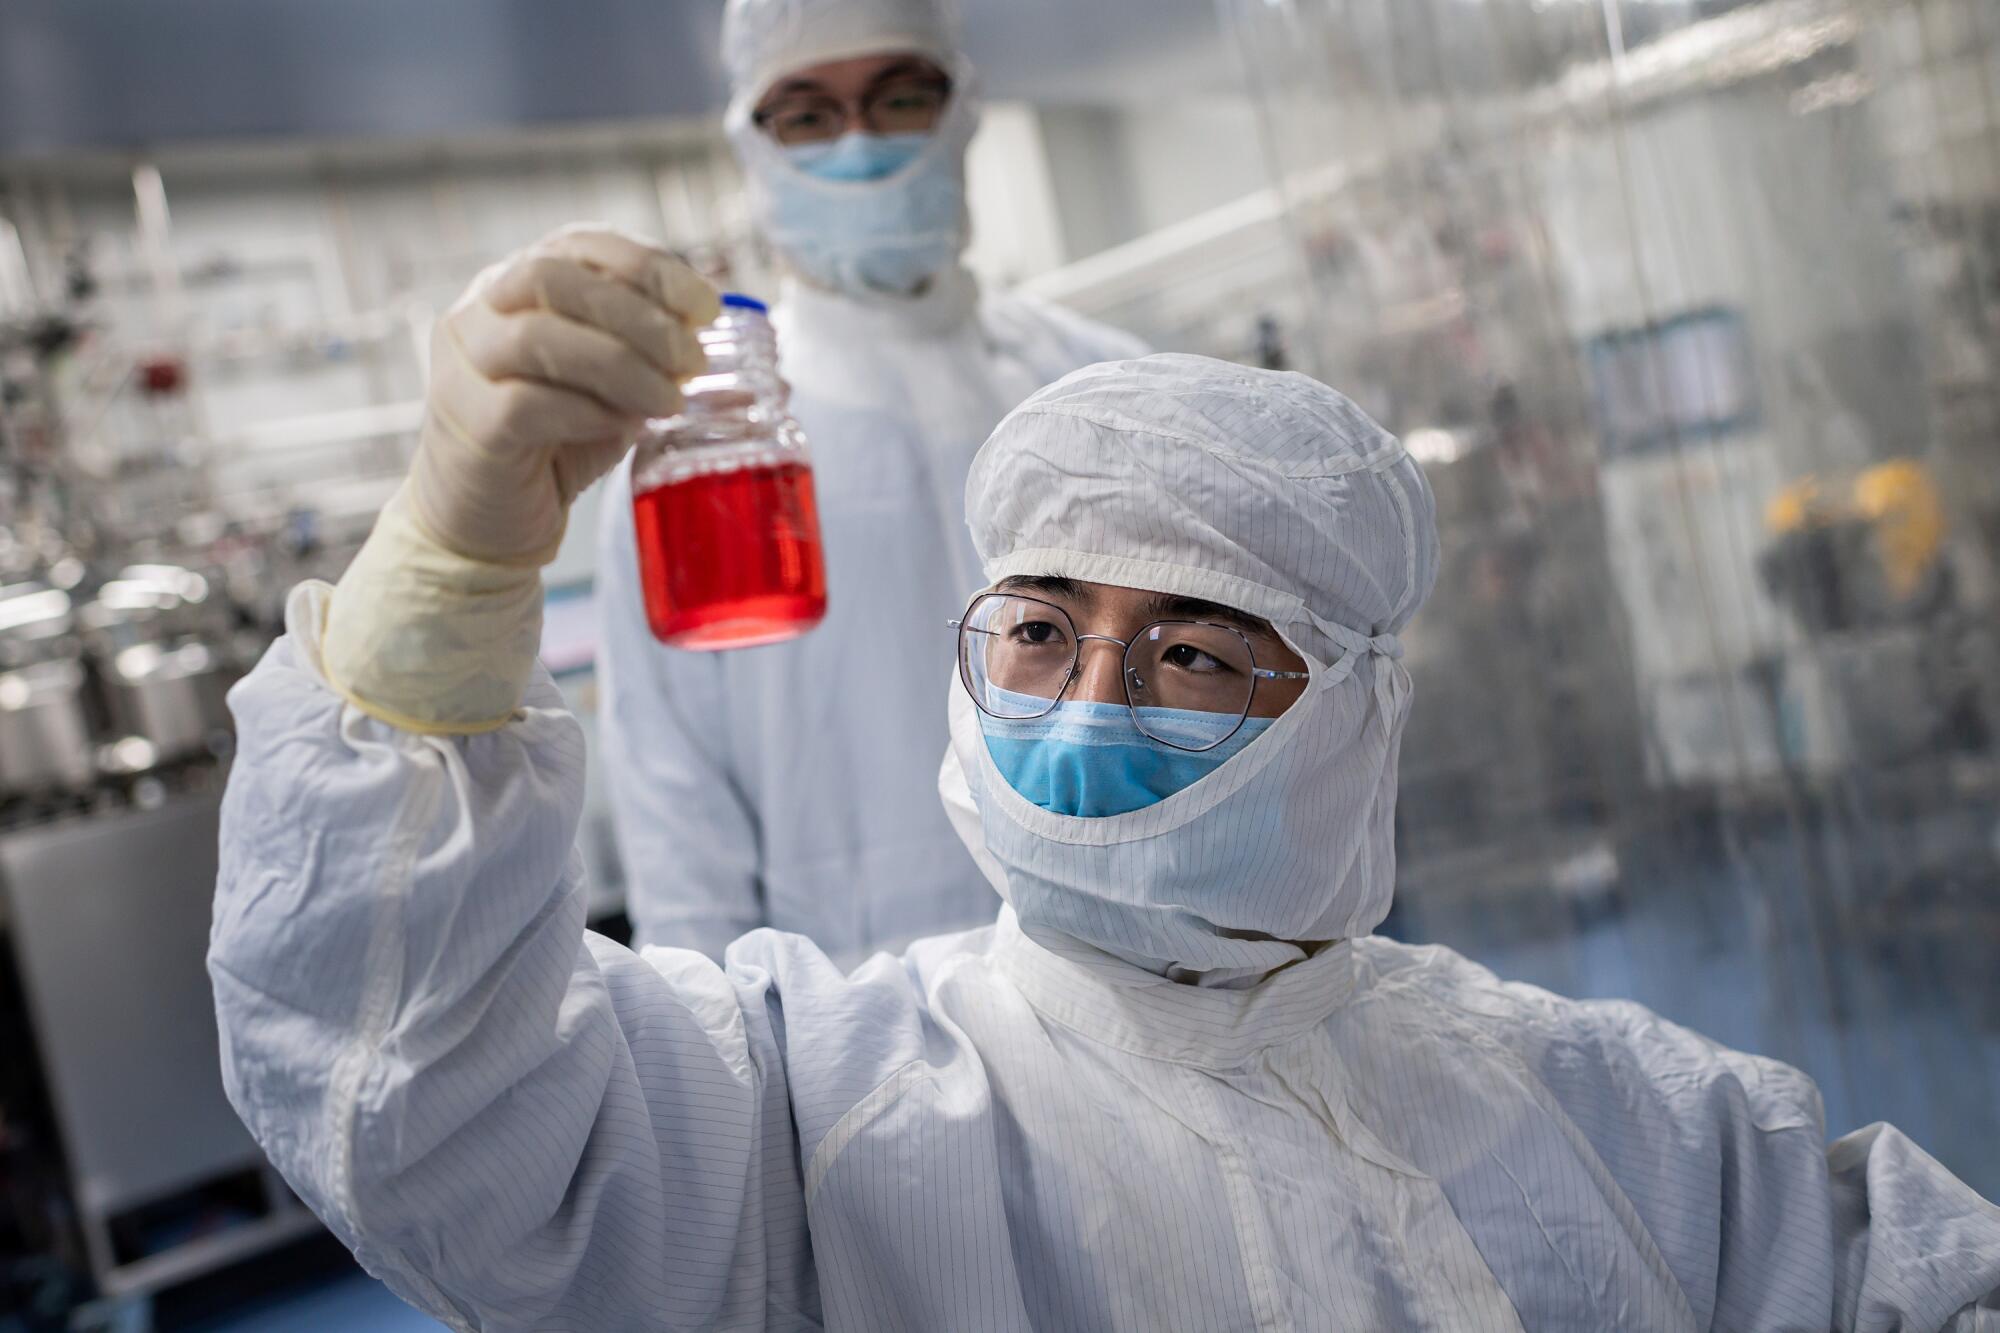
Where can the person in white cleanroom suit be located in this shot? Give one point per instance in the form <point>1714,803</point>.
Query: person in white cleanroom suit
<point>1176,1085</point>
<point>778,786</point>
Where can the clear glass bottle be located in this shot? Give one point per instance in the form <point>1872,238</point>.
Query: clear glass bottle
<point>722,500</point>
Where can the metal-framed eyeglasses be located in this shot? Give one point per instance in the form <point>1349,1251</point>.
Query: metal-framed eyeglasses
<point>1017,656</point>
<point>901,104</point>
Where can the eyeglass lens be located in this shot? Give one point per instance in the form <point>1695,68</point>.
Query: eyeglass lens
<point>901,106</point>
<point>1017,654</point>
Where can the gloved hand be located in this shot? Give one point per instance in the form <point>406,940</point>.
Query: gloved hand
<point>540,376</point>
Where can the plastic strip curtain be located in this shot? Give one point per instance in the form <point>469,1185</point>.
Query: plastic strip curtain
<point>1693,310</point>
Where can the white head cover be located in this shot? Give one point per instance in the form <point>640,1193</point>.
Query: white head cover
<point>765,39</point>
<point>1266,492</point>
<point>860,237</point>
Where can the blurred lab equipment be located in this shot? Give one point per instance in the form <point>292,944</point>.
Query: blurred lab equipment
<point>182,440</point>
<point>1859,564</point>
<point>128,605</point>
<point>163,660</point>
<point>1866,554</point>
<point>722,500</point>
<point>45,724</point>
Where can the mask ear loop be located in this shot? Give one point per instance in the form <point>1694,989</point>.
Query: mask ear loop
<point>1392,680</point>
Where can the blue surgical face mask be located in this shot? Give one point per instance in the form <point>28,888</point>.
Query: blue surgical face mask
<point>857,156</point>
<point>1091,759</point>
<point>865,213</point>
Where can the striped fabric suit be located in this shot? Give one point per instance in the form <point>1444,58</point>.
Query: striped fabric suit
<point>520,1125</point>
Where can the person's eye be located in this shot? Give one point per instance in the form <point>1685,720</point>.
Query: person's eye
<point>1037,633</point>
<point>1187,657</point>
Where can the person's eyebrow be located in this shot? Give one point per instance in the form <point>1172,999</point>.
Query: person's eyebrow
<point>790,88</point>
<point>1167,606</point>
<point>1053,585</point>
<point>911,67</point>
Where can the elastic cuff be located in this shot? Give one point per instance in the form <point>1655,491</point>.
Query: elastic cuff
<point>406,722</point>
<point>428,640</point>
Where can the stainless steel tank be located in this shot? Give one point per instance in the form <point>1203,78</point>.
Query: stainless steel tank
<point>46,744</point>
<point>153,637</point>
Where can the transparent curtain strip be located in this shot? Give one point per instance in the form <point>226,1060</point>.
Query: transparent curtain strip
<point>1692,310</point>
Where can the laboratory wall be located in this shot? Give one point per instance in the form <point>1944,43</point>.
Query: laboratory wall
<point>1692,311</point>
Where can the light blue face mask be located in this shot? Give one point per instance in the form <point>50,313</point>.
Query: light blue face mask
<point>858,156</point>
<point>867,212</point>
<point>1091,759</point>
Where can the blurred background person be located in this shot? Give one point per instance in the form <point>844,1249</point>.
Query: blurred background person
<point>771,787</point>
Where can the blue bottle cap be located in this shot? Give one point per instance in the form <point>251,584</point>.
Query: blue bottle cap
<point>742,302</point>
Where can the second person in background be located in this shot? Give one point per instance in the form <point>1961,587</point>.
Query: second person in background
<point>793,786</point>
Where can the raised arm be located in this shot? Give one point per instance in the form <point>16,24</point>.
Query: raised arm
<point>513,1122</point>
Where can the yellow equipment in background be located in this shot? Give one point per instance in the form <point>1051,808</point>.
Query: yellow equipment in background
<point>1867,552</point>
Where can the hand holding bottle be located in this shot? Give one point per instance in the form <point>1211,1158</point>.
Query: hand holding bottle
<point>540,375</point>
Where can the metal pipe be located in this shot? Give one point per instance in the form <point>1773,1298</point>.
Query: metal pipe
<point>17,284</point>
<point>156,242</point>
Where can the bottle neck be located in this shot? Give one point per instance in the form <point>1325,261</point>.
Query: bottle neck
<point>734,415</point>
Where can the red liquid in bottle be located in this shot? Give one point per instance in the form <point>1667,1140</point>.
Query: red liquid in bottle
<point>731,559</point>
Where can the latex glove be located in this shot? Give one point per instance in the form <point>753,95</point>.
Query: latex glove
<point>540,376</point>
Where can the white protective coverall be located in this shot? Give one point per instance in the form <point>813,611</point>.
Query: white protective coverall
<point>795,785</point>
<point>1131,1104</point>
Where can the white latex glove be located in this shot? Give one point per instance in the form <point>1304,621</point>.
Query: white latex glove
<point>540,376</point>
